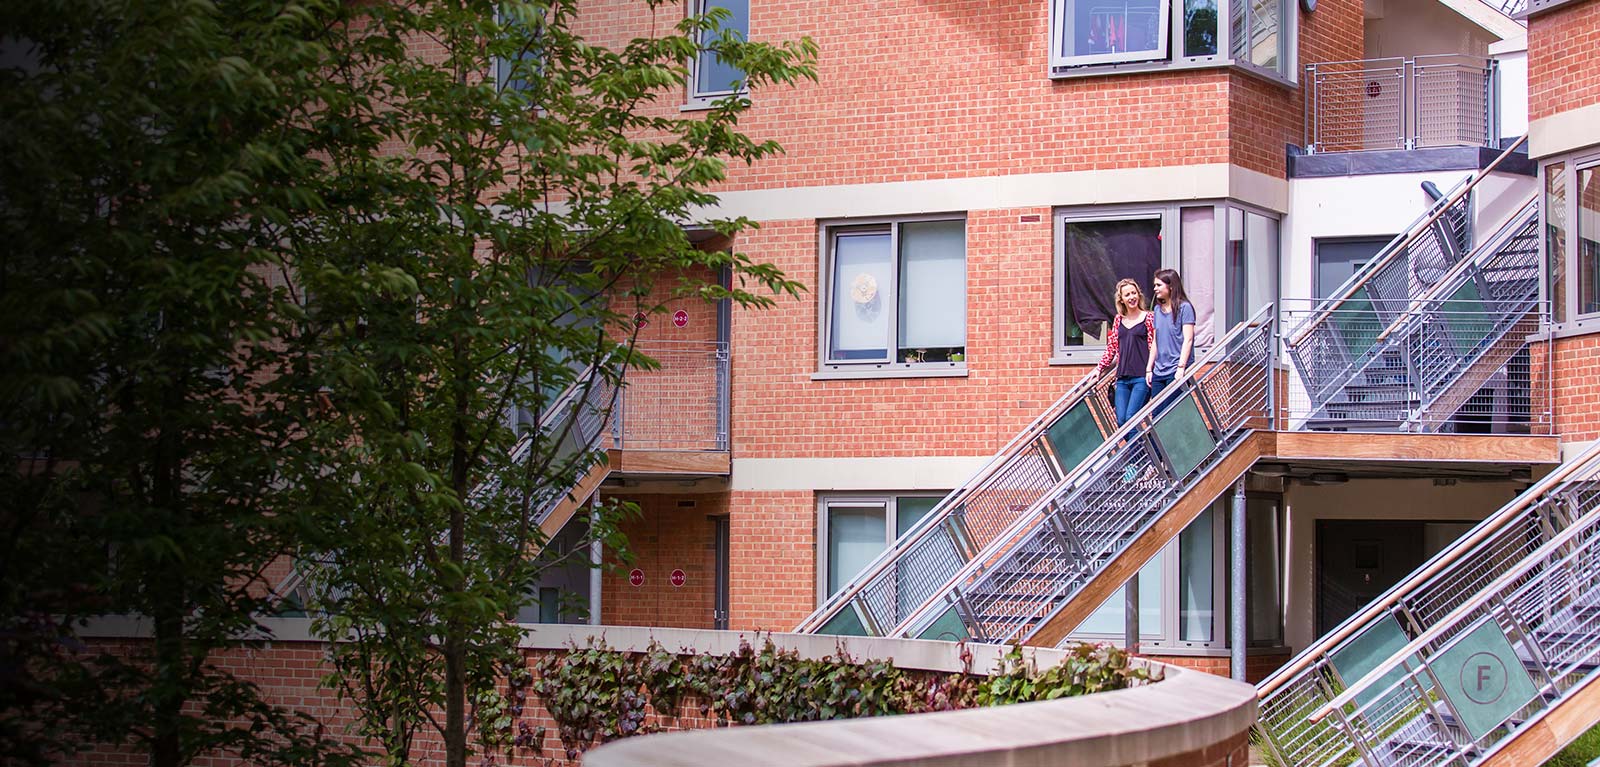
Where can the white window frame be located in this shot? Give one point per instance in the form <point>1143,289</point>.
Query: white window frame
<point>888,501</point>
<point>1171,55</point>
<point>696,98</point>
<point>1576,322</point>
<point>891,365</point>
<point>1167,214</point>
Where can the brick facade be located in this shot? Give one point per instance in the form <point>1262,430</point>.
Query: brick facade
<point>673,532</point>
<point>1576,374</point>
<point>1563,72</point>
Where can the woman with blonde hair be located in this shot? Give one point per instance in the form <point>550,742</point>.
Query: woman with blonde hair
<point>1131,349</point>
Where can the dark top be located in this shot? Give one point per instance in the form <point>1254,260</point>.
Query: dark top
<point>1133,349</point>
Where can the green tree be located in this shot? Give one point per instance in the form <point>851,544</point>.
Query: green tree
<point>493,248</point>
<point>152,156</point>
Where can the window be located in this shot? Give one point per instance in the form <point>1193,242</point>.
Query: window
<point>856,529</point>
<point>1097,247</point>
<point>1087,36</point>
<point>710,75</point>
<point>522,27</point>
<point>895,296</point>
<point>1571,189</point>
<point>1182,592</point>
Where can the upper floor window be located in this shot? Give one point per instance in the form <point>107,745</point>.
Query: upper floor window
<point>1090,35</point>
<point>895,296</point>
<point>1572,239</point>
<point>710,75</point>
<point>523,26</point>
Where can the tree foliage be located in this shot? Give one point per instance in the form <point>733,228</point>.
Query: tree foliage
<point>152,156</point>
<point>485,248</point>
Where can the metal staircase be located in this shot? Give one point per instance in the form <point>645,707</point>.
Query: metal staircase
<point>1423,361</point>
<point>972,516</point>
<point>1042,535</point>
<point>1461,662</point>
<point>1354,353</point>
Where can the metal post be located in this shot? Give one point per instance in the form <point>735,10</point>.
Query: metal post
<point>1238,636</point>
<point>1130,614</point>
<point>596,554</point>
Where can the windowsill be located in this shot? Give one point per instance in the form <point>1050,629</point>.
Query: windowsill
<point>1084,357</point>
<point>893,370</point>
<point>1583,326</point>
<point>705,103</point>
<point>1209,62</point>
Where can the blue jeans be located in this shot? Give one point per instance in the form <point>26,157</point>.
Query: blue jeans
<point>1157,383</point>
<point>1129,394</point>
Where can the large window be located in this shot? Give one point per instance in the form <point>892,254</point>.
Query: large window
<point>710,75</point>
<point>1096,247</point>
<point>856,529</point>
<point>895,296</point>
<point>523,28</point>
<point>1144,34</point>
<point>1572,240</point>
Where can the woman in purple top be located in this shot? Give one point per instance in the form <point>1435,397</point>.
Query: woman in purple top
<point>1174,331</point>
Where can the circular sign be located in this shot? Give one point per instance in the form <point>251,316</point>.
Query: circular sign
<point>636,578</point>
<point>1374,89</point>
<point>640,320</point>
<point>1484,677</point>
<point>680,318</point>
<point>679,578</point>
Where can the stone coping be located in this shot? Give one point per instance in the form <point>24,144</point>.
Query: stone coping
<point>1186,713</point>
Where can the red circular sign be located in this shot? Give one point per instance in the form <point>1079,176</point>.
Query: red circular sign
<point>636,578</point>
<point>680,318</point>
<point>679,578</point>
<point>640,320</point>
<point>1374,89</point>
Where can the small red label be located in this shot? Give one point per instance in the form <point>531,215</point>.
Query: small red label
<point>680,318</point>
<point>1374,89</point>
<point>636,578</point>
<point>640,320</point>
<point>679,578</point>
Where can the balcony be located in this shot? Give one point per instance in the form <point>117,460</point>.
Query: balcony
<point>673,421</point>
<point>1402,104</point>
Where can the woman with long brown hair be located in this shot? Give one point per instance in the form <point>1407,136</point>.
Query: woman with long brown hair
<point>1174,330</point>
<point>1131,349</point>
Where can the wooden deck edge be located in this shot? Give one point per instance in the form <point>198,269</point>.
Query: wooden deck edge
<point>1552,730</point>
<point>1480,448</point>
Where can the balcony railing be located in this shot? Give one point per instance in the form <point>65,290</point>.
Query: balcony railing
<point>1402,103</point>
<point>683,405</point>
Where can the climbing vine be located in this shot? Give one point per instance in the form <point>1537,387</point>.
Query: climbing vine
<point>596,694</point>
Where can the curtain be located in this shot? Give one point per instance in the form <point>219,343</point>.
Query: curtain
<point>933,285</point>
<point>1099,254</point>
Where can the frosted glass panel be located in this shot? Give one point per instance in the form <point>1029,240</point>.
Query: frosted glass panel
<point>855,537</point>
<point>1199,269</point>
<point>933,285</point>
<point>911,509</point>
<point>1107,619</point>
<point>862,275</point>
<point>1196,614</point>
<point>716,75</point>
<point>1262,232</point>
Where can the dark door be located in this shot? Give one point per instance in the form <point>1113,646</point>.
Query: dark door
<point>1338,259</point>
<point>719,610</point>
<point>1357,560</point>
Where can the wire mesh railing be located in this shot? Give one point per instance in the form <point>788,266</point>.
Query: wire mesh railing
<point>680,405</point>
<point>970,517</point>
<point>1380,713</point>
<point>1454,359</point>
<point>1402,103</point>
<point>1013,586</point>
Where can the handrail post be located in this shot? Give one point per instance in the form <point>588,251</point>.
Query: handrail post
<point>1409,115</point>
<point>1238,625</point>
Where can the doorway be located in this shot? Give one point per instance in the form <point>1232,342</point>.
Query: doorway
<point>1359,559</point>
<point>1339,259</point>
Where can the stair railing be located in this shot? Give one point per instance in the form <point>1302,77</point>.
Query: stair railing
<point>967,519</point>
<point>1504,656</point>
<point>1454,577</point>
<point>1402,270</point>
<point>1033,568</point>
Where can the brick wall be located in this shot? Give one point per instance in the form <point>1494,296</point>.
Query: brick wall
<point>1575,373</point>
<point>1233,752</point>
<point>1563,72</point>
<point>772,573</point>
<point>1258,666</point>
<point>674,532</point>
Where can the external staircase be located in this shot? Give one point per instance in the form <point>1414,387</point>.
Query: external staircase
<point>1485,655</point>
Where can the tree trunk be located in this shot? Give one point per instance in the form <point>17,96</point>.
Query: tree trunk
<point>166,745</point>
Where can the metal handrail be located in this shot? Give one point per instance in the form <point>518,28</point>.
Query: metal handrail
<point>1086,386</point>
<point>1442,627</point>
<point>1441,561</point>
<point>1400,244</point>
<point>1452,279</point>
<point>1081,477</point>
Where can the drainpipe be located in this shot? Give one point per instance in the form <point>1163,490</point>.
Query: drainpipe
<point>1238,635</point>
<point>596,552</point>
<point>1130,614</point>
